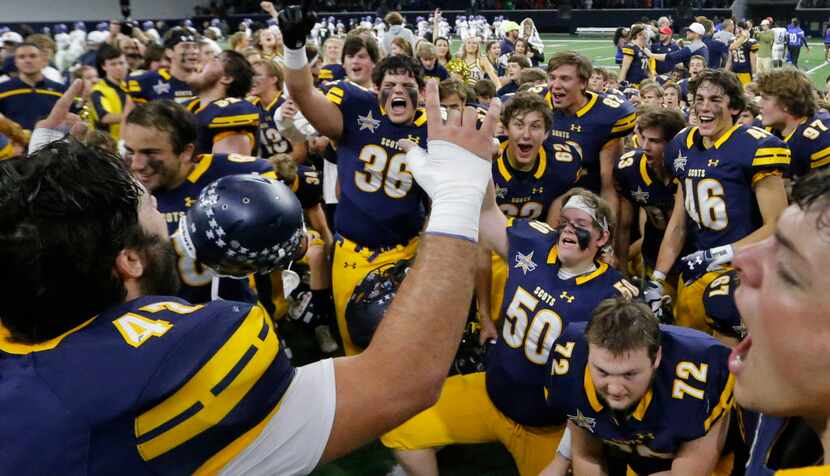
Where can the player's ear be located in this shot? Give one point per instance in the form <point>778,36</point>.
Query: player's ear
<point>128,264</point>
<point>657,358</point>
<point>188,153</point>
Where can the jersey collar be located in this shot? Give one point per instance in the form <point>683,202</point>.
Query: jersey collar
<point>692,137</point>
<point>506,170</point>
<point>638,414</point>
<point>592,99</point>
<point>602,267</point>
<point>202,164</point>
<point>644,170</point>
<point>10,347</point>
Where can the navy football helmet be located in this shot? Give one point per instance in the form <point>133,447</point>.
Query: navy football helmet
<point>243,224</point>
<point>370,299</point>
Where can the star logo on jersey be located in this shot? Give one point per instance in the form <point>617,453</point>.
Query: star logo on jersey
<point>501,192</point>
<point>576,128</point>
<point>525,262</point>
<point>583,421</point>
<point>640,195</point>
<point>368,122</point>
<point>679,162</point>
<point>161,88</point>
<point>712,163</point>
<point>567,297</point>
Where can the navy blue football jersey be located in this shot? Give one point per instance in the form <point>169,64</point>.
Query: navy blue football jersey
<point>741,57</point>
<point>529,194</point>
<point>718,183</point>
<point>196,279</point>
<point>221,118</point>
<point>637,183</point>
<point>809,145</point>
<point>331,72</point>
<point>719,302</point>
<point>603,119</point>
<point>152,386</point>
<point>151,85</point>
<point>639,68</point>
<point>270,140</point>
<point>380,203</point>
<point>785,446</point>
<point>691,391</point>
<point>307,186</point>
<point>537,305</point>
<point>25,104</point>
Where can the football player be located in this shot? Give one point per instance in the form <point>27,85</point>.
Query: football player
<point>730,195</point>
<point>781,366</point>
<point>655,398</point>
<point>743,55</point>
<point>788,106</point>
<point>644,183</point>
<point>227,123</point>
<point>106,377</point>
<point>636,65</point>
<point>531,173</point>
<point>593,120</point>
<point>381,208</point>
<point>181,47</point>
<point>160,140</point>
<point>267,96</point>
<point>555,277</point>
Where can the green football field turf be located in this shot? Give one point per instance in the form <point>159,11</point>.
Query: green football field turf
<point>601,51</point>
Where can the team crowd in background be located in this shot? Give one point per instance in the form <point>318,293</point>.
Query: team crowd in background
<point>639,223</point>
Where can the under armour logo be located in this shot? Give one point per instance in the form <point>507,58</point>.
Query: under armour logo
<point>567,297</point>
<point>413,138</point>
<point>712,163</point>
<point>348,265</point>
<point>538,190</point>
<point>188,202</point>
<point>576,128</point>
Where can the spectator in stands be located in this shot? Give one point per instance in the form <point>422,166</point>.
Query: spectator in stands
<point>238,41</point>
<point>47,46</point>
<point>664,45</point>
<point>10,40</point>
<point>651,94</point>
<point>493,54</point>
<point>400,47</point>
<point>442,50</point>
<point>671,95</point>
<point>511,34</point>
<point>529,33</point>
<point>154,58</point>
<point>532,79</point>
<point>395,21</point>
<point>795,40</point>
<point>485,90</point>
<point>453,94</point>
<point>269,42</point>
<point>428,58</point>
<point>108,97</point>
<point>515,65</point>
<point>718,50</point>
<point>598,79</point>
<point>693,46</point>
<point>94,40</point>
<point>29,96</point>
<point>765,38</point>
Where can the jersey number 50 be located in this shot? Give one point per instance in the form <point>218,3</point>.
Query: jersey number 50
<point>537,334</point>
<point>380,170</point>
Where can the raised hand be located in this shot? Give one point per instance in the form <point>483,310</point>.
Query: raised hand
<point>296,22</point>
<point>456,171</point>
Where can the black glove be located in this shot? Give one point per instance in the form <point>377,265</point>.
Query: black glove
<point>296,23</point>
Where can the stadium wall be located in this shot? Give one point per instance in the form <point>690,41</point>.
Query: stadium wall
<point>45,11</point>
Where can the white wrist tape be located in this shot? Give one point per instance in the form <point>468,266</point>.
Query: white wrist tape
<point>455,179</point>
<point>295,59</point>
